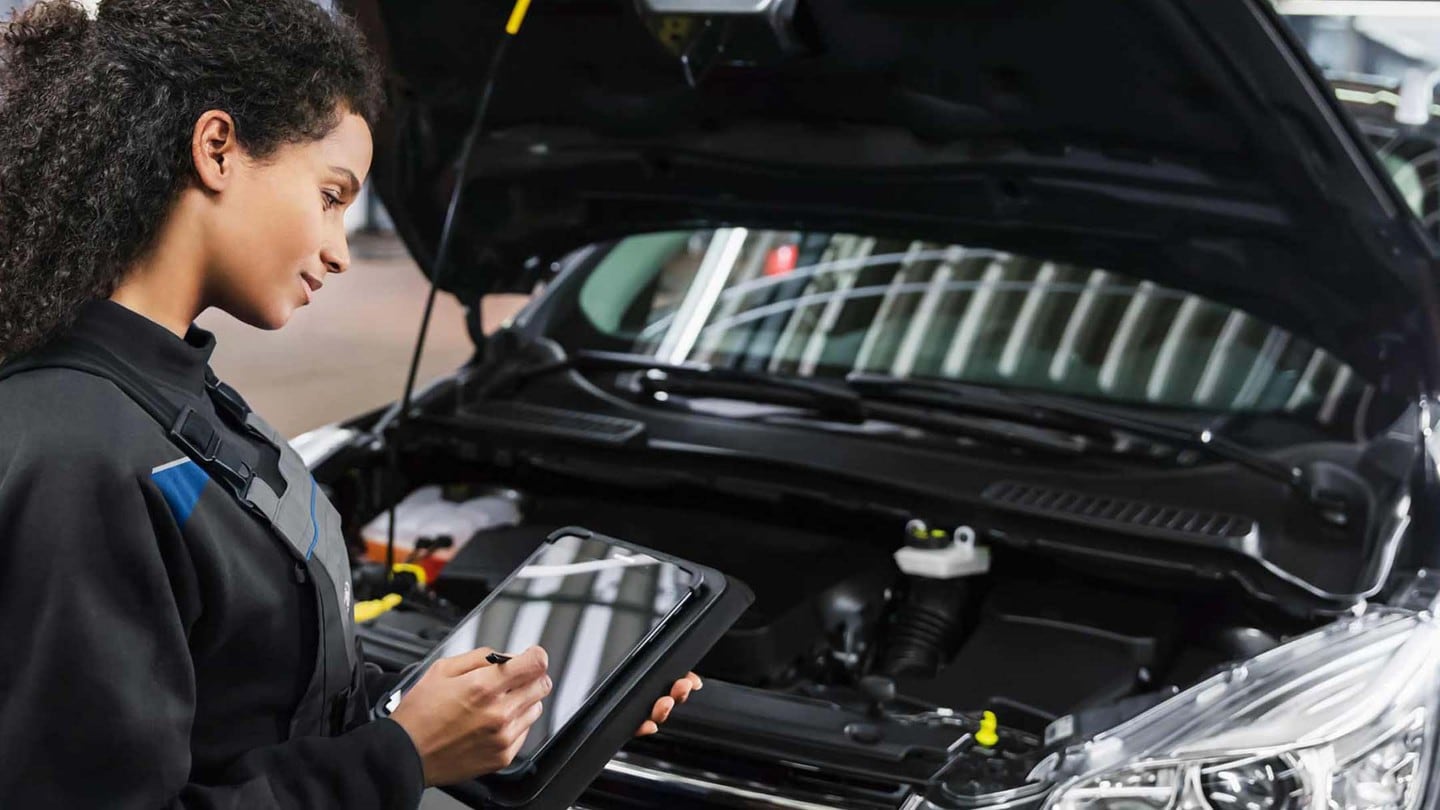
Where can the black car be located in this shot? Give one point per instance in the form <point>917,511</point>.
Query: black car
<point>1066,364</point>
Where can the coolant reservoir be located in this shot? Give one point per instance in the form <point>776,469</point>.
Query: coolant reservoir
<point>937,554</point>
<point>430,512</point>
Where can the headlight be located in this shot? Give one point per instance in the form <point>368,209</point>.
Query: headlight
<point>1340,719</point>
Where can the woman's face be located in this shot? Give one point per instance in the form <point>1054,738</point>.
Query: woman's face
<point>278,229</point>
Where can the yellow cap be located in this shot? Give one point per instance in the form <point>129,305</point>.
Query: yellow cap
<point>371,609</point>
<point>986,736</point>
<point>411,568</point>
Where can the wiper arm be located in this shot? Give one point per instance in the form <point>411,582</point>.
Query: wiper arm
<point>1033,410</point>
<point>827,399</point>
<point>936,423</point>
<point>830,399</point>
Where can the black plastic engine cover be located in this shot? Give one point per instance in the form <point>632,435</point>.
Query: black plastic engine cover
<point>1042,650</point>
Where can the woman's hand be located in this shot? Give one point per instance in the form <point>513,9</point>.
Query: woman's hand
<point>468,717</point>
<point>679,693</point>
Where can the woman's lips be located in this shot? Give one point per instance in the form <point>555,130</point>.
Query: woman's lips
<point>310,284</point>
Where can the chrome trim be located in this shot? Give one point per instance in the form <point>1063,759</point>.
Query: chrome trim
<point>1030,794</point>
<point>625,766</point>
<point>708,786</point>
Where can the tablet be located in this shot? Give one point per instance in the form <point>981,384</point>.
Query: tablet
<point>591,603</point>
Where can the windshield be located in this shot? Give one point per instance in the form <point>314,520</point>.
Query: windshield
<point>825,305</point>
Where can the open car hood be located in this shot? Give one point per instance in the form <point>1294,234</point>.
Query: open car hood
<point>1193,144</point>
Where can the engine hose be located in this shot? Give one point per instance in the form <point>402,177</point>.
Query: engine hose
<point>924,627</point>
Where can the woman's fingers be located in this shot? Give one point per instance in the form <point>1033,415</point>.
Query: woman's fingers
<point>680,692</point>
<point>528,693</point>
<point>525,668</point>
<point>683,687</point>
<point>661,712</point>
<point>467,717</point>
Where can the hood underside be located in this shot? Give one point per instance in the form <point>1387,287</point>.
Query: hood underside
<point>1193,144</point>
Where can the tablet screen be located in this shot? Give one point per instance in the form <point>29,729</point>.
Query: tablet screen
<point>589,604</point>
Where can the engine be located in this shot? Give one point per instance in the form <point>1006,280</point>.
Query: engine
<point>912,615</point>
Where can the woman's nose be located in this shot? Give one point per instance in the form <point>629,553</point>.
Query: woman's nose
<point>336,257</point>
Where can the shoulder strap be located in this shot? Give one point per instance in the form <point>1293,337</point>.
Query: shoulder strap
<point>229,401</point>
<point>189,430</point>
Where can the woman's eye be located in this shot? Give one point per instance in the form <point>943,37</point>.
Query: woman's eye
<point>330,200</point>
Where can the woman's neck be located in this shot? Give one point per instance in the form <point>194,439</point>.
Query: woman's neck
<point>166,285</point>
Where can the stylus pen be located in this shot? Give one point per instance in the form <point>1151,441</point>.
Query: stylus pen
<point>497,658</point>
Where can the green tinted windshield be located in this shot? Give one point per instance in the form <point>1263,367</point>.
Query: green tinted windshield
<point>825,305</point>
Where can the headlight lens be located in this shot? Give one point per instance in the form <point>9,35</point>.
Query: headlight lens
<point>1340,719</point>
<point>1272,783</point>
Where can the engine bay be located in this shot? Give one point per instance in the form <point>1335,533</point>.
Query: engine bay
<point>849,664</point>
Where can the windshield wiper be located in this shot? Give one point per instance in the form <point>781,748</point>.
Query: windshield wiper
<point>832,400</point>
<point>1009,434</point>
<point>1035,410</point>
<point>826,399</point>
<point>866,396</point>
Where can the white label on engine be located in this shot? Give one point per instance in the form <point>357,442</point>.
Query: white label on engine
<point>1060,729</point>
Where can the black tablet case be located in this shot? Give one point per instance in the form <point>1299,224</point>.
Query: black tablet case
<point>574,758</point>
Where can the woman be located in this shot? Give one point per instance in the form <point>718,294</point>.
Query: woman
<point>171,639</point>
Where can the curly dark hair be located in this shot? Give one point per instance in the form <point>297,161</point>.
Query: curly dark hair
<point>96,118</point>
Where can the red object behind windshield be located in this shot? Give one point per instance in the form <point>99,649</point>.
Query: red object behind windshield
<point>781,260</point>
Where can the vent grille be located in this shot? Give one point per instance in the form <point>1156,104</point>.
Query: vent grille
<point>1102,510</point>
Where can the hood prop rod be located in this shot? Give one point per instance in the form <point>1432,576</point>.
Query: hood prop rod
<point>400,412</point>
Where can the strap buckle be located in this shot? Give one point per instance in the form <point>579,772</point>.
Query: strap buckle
<point>204,444</point>
<point>228,399</point>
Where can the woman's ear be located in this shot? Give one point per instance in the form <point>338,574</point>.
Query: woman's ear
<point>214,149</point>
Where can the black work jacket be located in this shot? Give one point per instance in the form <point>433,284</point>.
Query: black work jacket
<point>158,639</point>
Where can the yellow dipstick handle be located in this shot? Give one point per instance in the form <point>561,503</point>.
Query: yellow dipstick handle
<point>986,736</point>
<point>371,610</point>
<point>517,17</point>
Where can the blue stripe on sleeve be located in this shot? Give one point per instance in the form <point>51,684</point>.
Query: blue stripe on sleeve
<point>315,527</point>
<point>181,485</point>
